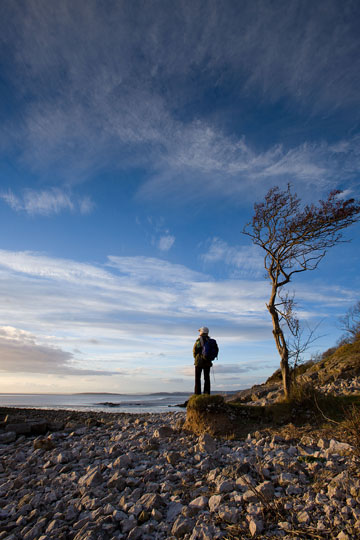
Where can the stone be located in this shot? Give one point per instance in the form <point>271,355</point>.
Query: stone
<point>250,496</point>
<point>303,517</point>
<point>228,514</point>
<point>286,479</point>
<point>43,444</point>
<point>8,437</point>
<point>266,489</point>
<point>151,500</point>
<point>285,525</point>
<point>215,502</point>
<point>163,432</point>
<point>225,487</point>
<point>135,534</point>
<point>155,514</point>
<point>173,457</point>
<point>64,457</point>
<point>39,427</point>
<point>256,526</point>
<point>85,497</point>
<point>182,526</point>
<point>174,509</point>
<point>343,536</point>
<point>143,516</point>
<point>334,492</point>
<point>199,503</point>
<point>122,462</point>
<point>117,481</point>
<point>92,478</point>
<point>20,428</point>
<point>207,444</point>
<point>337,447</point>
<point>128,524</point>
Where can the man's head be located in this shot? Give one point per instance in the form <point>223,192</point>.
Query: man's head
<point>203,330</point>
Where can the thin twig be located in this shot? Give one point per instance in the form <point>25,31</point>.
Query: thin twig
<point>323,415</point>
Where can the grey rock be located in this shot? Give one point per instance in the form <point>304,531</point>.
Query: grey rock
<point>92,478</point>
<point>19,429</point>
<point>151,500</point>
<point>228,514</point>
<point>156,514</point>
<point>256,526</point>
<point>182,526</point>
<point>174,509</point>
<point>117,481</point>
<point>163,432</point>
<point>207,443</point>
<point>303,517</point>
<point>225,487</point>
<point>214,502</point>
<point>250,496</point>
<point>266,489</point>
<point>199,503</point>
<point>136,533</point>
<point>8,437</point>
<point>337,447</point>
<point>123,462</point>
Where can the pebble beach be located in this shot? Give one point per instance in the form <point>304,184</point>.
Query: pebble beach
<point>124,476</point>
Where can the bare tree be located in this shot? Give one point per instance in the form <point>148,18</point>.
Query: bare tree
<point>351,323</point>
<point>299,344</point>
<point>295,239</point>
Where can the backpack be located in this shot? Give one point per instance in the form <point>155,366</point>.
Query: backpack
<point>210,349</point>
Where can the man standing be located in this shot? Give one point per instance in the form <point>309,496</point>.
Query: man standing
<point>205,350</point>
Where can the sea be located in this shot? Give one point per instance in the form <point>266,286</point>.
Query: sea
<point>126,403</point>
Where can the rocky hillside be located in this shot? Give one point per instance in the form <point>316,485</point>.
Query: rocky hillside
<point>335,372</point>
<point>344,363</point>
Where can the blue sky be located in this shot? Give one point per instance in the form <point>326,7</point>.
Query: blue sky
<point>135,139</point>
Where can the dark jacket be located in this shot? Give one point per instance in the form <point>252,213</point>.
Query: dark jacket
<point>199,360</point>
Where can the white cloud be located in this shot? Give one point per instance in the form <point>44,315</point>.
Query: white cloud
<point>166,242</point>
<point>20,352</point>
<point>38,265</point>
<point>46,202</point>
<point>247,259</point>
<point>205,161</point>
<point>76,120</point>
<point>65,317</point>
<point>154,270</point>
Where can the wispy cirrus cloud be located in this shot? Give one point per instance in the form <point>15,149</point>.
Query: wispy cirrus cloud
<point>137,107</point>
<point>166,242</point>
<point>246,259</point>
<point>207,162</point>
<point>46,202</point>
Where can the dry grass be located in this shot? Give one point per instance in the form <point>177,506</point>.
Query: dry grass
<point>351,425</point>
<point>205,402</point>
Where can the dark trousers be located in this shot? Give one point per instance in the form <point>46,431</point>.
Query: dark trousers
<point>198,371</point>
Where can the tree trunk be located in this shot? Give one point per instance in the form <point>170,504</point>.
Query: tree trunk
<point>280,344</point>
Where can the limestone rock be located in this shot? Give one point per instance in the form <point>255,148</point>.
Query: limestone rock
<point>207,443</point>
<point>8,437</point>
<point>182,526</point>
<point>92,478</point>
<point>214,502</point>
<point>199,503</point>
<point>256,526</point>
<point>163,432</point>
<point>266,489</point>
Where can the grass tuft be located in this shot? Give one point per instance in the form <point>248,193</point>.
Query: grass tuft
<point>351,425</point>
<point>205,402</point>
